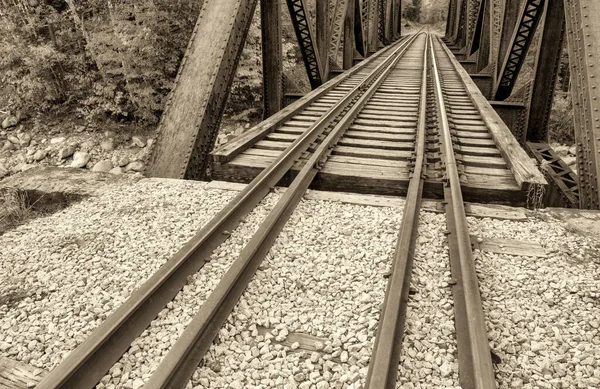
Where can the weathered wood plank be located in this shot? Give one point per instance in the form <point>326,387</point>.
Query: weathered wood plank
<point>17,375</point>
<point>509,246</point>
<point>524,170</point>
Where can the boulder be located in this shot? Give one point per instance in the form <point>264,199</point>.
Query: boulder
<point>10,121</point>
<point>104,166</point>
<point>40,155</point>
<point>136,166</point>
<point>124,161</point>
<point>138,141</point>
<point>8,146</point>
<point>24,139</point>
<point>14,140</point>
<point>66,152</point>
<point>117,170</point>
<point>80,159</point>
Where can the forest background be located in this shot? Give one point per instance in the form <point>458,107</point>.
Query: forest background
<point>110,64</point>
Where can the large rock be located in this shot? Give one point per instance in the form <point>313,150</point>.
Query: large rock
<point>66,152</point>
<point>136,166</point>
<point>24,139</point>
<point>80,159</point>
<point>40,155</point>
<point>54,141</point>
<point>10,121</point>
<point>104,166</point>
<point>117,170</point>
<point>139,141</point>
<point>8,146</point>
<point>14,140</point>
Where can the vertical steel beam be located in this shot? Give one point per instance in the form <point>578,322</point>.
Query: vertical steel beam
<point>359,29</point>
<point>270,13</point>
<point>388,32</point>
<point>189,125</point>
<point>483,58</point>
<point>450,20</point>
<point>349,38</point>
<point>583,38</point>
<point>457,21</point>
<point>322,12</point>
<point>545,74</point>
<point>475,42</point>
<point>373,25</point>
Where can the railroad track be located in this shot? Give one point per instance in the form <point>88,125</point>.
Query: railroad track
<point>413,98</point>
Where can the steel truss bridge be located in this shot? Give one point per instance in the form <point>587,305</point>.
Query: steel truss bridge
<point>492,40</point>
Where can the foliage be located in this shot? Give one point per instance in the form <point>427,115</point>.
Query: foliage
<point>412,10</point>
<point>560,125</point>
<point>109,58</point>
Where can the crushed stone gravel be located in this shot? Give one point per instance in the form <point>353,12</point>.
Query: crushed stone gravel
<point>542,314</point>
<point>146,352</point>
<point>73,268</point>
<point>324,278</point>
<point>428,356</point>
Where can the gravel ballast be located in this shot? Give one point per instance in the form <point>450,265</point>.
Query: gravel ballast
<point>428,356</point>
<point>542,314</point>
<point>73,268</point>
<point>141,360</point>
<point>324,279</point>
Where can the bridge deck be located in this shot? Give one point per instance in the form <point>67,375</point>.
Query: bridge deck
<point>374,154</point>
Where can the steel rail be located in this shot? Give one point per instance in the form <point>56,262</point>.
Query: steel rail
<point>91,360</point>
<point>178,366</point>
<point>474,354</point>
<point>383,366</point>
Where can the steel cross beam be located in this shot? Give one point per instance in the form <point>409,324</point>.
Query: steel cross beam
<point>189,125</point>
<point>306,39</point>
<point>530,15</point>
<point>583,38</point>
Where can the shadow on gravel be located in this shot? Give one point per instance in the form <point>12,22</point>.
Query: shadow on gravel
<point>18,206</point>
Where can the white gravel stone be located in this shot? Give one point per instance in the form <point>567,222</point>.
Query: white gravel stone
<point>542,313</point>
<point>316,281</point>
<point>428,356</point>
<point>78,265</point>
<point>148,350</point>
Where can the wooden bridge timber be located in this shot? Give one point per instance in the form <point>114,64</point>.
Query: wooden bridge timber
<point>489,39</point>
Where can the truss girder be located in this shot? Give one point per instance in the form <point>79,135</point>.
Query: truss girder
<point>531,13</point>
<point>583,38</point>
<point>475,42</point>
<point>547,62</point>
<point>306,39</point>
<point>564,190</point>
<point>337,31</point>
